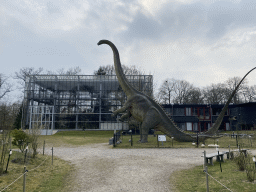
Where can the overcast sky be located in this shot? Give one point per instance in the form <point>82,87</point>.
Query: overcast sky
<point>201,41</point>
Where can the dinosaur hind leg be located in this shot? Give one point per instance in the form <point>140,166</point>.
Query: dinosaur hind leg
<point>150,121</point>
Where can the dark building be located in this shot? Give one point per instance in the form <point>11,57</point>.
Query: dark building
<point>200,117</point>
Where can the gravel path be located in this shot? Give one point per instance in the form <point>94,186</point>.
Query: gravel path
<point>101,168</point>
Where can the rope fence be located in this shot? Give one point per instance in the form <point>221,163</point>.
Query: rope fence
<point>215,180</point>
<point>13,182</point>
<point>24,174</point>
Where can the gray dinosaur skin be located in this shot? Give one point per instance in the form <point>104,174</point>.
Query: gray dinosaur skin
<point>151,114</point>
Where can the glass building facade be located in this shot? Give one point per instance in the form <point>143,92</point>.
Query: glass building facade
<point>78,101</point>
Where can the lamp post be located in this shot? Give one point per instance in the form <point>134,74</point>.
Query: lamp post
<point>8,160</point>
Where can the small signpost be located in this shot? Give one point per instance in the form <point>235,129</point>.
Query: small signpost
<point>161,138</point>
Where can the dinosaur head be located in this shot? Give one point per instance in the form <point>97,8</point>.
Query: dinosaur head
<point>103,42</point>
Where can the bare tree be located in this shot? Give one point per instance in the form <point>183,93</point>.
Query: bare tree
<point>71,71</point>
<point>231,83</point>
<point>182,89</point>
<point>194,96</point>
<point>215,93</point>
<point>5,87</point>
<point>178,91</point>
<point>165,94</point>
<point>24,73</point>
<point>110,70</point>
<point>249,94</point>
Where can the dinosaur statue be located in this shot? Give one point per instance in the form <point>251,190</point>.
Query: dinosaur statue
<point>146,110</point>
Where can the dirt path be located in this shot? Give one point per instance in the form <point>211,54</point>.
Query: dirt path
<point>101,168</point>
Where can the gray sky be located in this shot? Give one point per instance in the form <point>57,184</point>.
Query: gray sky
<point>202,42</point>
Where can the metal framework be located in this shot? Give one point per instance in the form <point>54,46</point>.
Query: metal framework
<point>78,101</point>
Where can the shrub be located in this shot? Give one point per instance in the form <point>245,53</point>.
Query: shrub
<point>239,159</point>
<point>250,168</point>
<point>250,172</point>
<point>20,139</point>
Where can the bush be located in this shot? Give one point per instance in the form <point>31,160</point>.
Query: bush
<point>244,162</point>
<point>250,168</point>
<point>20,139</point>
<point>239,159</point>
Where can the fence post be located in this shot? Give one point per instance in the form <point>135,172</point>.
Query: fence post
<point>43,147</point>
<point>114,140</point>
<point>25,154</point>
<point>204,159</point>
<point>131,139</point>
<point>229,151</point>
<point>52,155</point>
<point>206,174</point>
<point>24,179</point>
<point>157,141</point>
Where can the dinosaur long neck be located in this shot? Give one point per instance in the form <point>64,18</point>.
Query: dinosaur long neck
<point>218,122</point>
<point>127,88</point>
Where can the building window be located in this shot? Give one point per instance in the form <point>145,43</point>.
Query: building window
<point>182,126</point>
<point>178,111</point>
<point>207,115</point>
<point>195,111</point>
<point>227,127</point>
<point>195,128</point>
<point>189,126</point>
<point>188,111</point>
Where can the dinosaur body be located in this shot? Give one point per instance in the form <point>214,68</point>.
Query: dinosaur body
<point>146,110</point>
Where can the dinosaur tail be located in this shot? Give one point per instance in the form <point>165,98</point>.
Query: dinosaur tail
<point>127,88</point>
<point>218,122</point>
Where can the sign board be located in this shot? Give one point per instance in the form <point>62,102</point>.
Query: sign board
<point>161,137</point>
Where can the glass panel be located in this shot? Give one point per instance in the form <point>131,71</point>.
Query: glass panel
<point>178,111</point>
<point>189,126</point>
<point>188,111</point>
<point>195,128</point>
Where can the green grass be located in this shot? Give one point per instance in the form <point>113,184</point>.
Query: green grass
<point>223,142</point>
<point>44,178</point>
<point>195,180</point>
<point>76,138</point>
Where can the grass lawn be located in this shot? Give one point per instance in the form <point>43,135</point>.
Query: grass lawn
<point>76,138</point>
<point>223,142</point>
<point>45,178</point>
<point>195,180</point>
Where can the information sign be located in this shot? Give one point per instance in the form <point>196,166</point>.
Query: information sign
<point>161,137</point>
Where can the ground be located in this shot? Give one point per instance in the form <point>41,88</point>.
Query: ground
<point>99,167</point>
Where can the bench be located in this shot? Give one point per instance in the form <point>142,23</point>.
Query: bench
<point>219,157</point>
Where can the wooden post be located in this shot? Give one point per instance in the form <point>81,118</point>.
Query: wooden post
<point>229,151</point>
<point>204,159</point>
<point>43,147</point>
<point>131,138</point>
<point>24,179</point>
<point>219,160</point>
<point>207,184</point>
<point>52,155</point>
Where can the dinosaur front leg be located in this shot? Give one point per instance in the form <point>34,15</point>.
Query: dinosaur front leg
<point>125,116</point>
<point>121,110</point>
<point>124,108</point>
